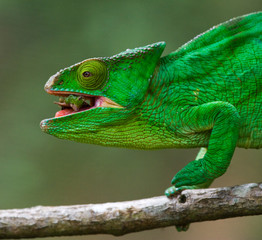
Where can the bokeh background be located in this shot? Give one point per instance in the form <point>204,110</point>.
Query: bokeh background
<point>40,37</point>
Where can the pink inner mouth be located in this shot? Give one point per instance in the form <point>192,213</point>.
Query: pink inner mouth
<point>68,111</point>
<point>64,112</point>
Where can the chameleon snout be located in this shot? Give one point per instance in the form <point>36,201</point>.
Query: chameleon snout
<point>51,81</point>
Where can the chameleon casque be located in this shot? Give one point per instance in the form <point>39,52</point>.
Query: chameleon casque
<point>206,94</point>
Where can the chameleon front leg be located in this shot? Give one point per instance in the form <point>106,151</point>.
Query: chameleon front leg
<point>172,190</point>
<point>223,120</point>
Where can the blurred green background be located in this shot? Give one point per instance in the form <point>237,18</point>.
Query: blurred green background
<point>40,37</point>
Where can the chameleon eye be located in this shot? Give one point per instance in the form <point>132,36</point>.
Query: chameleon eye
<point>92,74</point>
<point>86,74</point>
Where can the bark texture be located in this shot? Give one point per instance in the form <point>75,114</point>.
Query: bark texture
<point>120,218</point>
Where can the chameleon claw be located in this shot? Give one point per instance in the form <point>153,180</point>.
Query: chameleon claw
<point>171,191</point>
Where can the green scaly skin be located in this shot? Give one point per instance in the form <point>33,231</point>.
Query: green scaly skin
<point>206,94</point>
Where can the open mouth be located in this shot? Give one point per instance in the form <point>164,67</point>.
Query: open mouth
<point>72,103</point>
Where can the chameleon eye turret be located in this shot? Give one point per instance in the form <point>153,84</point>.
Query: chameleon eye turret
<point>92,74</point>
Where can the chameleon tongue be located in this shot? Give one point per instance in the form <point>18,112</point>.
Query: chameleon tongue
<point>64,112</point>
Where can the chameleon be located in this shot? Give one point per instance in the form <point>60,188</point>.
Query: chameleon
<point>207,94</point>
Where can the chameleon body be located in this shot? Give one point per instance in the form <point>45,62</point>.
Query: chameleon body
<point>206,94</point>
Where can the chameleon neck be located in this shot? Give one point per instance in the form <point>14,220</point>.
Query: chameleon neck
<point>163,104</point>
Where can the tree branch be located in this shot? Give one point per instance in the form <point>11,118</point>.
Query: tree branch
<point>124,217</point>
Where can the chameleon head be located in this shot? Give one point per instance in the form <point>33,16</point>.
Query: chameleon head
<point>100,97</point>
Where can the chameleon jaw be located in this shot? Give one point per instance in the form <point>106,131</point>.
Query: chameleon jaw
<point>73,103</point>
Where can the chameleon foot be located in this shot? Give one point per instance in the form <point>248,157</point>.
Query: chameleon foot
<point>182,228</point>
<point>171,191</point>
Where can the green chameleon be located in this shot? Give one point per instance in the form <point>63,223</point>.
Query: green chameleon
<point>206,94</point>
